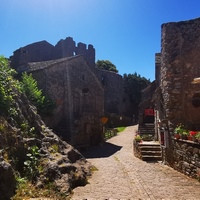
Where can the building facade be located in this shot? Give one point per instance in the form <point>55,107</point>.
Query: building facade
<point>83,94</point>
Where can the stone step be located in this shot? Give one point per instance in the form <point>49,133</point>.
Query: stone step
<point>147,132</point>
<point>151,158</point>
<point>149,153</point>
<point>150,148</point>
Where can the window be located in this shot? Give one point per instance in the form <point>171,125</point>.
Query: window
<point>85,90</point>
<point>196,100</point>
<point>83,77</point>
<point>103,80</point>
<point>76,103</point>
<point>24,51</point>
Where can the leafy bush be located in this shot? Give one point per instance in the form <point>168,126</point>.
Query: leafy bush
<point>106,65</point>
<point>7,87</point>
<point>34,94</point>
<point>138,138</point>
<point>32,162</point>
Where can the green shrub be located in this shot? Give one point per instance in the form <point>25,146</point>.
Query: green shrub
<point>7,87</point>
<point>138,138</point>
<point>34,94</point>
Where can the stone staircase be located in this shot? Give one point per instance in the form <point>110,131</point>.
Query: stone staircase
<point>147,128</point>
<point>150,151</point>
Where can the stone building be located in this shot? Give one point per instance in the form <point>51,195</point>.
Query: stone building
<point>43,51</point>
<point>79,98</point>
<point>179,66</point>
<point>176,99</point>
<point>83,94</point>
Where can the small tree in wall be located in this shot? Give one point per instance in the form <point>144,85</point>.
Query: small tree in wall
<point>106,65</point>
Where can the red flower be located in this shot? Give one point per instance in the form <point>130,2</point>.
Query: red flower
<point>193,133</point>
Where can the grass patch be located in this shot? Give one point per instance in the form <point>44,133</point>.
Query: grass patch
<point>93,168</point>
<point>120,129</point>
<point>109,133</point>
<point>27,190</point>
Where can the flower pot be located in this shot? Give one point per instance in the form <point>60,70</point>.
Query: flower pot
<point>195,139</point>
<point>189,137</point>
<point>184,137</point>
<point>177,136</point>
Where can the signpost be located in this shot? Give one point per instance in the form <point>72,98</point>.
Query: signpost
<point>104,120</point>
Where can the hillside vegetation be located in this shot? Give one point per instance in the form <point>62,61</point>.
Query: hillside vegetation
<point>34,162</point>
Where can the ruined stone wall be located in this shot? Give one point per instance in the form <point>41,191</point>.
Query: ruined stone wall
<point>179,66</point>
<point>43,51</point>
<point>115,98</point>
<point>39,51</point>
<point>79,98</point>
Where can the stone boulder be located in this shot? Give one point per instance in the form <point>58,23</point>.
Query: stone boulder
<point>7,181</point>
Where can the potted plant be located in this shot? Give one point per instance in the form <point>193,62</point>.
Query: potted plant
<point>192,135</point>
<point>180,132</point>
<point>184,135</point>
<point>138,138</point>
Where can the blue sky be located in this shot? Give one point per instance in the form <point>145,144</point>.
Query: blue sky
<point>126,32</point>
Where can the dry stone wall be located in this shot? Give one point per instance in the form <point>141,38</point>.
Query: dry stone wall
<point>177,98</point>
<point>179,66</point>
<point>187,158</point>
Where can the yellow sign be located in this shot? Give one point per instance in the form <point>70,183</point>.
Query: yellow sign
<point>104,120</point>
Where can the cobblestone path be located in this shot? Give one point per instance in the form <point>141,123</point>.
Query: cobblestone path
<point>121,176</point>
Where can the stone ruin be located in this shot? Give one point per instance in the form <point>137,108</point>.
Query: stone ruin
<point>43,51</point>
<point>68,70</point>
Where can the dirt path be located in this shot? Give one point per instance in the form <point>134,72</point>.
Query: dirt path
<point>122,176</point>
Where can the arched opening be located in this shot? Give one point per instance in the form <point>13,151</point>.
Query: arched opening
<point>196,100</point>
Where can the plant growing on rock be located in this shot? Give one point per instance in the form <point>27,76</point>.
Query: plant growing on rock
<point>32,162</point>
<point>30,88</point>
<point>7,88</point>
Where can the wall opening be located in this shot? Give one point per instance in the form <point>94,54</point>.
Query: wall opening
<point>196,100</point>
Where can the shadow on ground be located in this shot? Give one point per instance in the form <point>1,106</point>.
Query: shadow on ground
<point>106,150</point>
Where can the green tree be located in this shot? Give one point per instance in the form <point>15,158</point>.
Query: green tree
<point>7,87</point>
<point>106,65</point>
<point>34,94</point>
<point>133,84</point>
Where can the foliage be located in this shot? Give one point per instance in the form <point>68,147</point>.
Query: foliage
<point>7,87</point>
<point>26,190</point>
<point>120,129</point>
<point>109,133</point>
<point>32,162</point>
<point>197,136</point>
<point>106,65</point>
<point>133,84</point>
<point>147,137</point>
<point>180,129</point>
<point>34,94</point>
<point>55,148</point>
<point>193,133</point>
<point>138,138</point>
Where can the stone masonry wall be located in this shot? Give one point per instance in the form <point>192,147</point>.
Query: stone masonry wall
<point>79,99</point>
<point>113,86</point>
<point>179,66</point>
<point>186,155</point>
